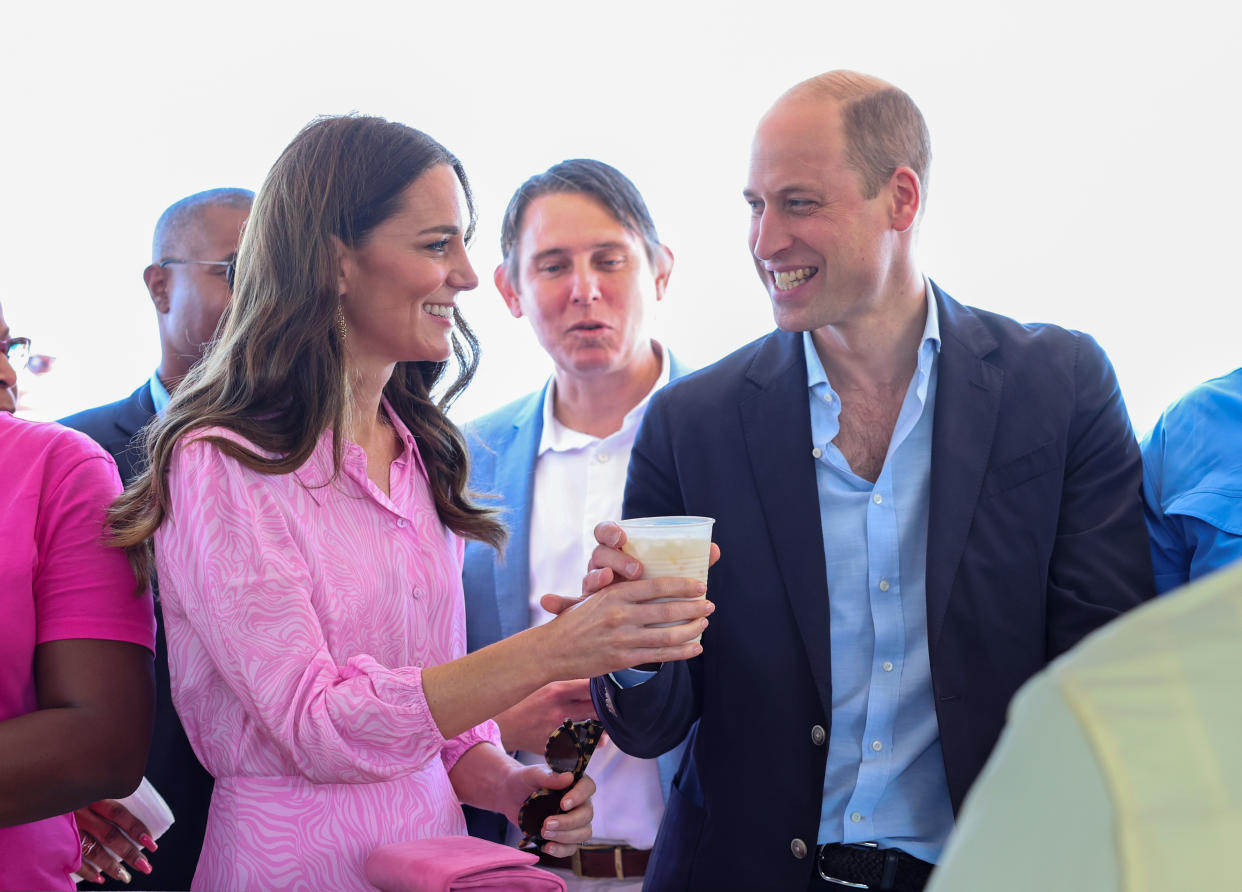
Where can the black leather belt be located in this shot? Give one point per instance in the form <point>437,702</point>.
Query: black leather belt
<point>617,862</point>
<point>865,866</point>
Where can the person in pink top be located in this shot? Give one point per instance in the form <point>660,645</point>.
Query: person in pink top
<point>307,498</point>
<point>77,636</point>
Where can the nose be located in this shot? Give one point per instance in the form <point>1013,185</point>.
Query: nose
<point>8,375</point>
<point>768,236</point>
<point>584,287</point>
<point>463,277</point>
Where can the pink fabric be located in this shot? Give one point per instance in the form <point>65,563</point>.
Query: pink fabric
<point>455,864</point>
<point>59,581</point>
<point>299,615</point>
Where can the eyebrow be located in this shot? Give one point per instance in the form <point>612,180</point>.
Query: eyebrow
<point>611,245</point>
<point>446,229</point>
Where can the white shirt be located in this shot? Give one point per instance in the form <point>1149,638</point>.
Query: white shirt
<point>579,481</point>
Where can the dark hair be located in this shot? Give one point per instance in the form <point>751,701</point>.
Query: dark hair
<point>582,176</point>
<point>277,373</point>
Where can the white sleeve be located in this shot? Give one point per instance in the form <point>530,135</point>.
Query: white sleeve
<point>1040,816</point>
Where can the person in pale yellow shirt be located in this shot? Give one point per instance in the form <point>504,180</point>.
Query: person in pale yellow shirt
<point>1120,768</point>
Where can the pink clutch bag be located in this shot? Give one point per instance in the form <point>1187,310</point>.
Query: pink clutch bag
<point>452,863</point>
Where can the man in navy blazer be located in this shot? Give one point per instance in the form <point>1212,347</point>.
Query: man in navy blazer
<point>195,242</point>
<point>583,263</point>
<point>918,505</point>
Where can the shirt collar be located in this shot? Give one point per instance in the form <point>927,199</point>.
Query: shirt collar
<point>159,394</point>
<point>929,344</point>
<point>556,437</point>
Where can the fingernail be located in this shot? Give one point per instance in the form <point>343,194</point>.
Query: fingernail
<point>701,587</point>
<point>123,875</point>
<point>631,569</point>
<point>551,824</point>
<point>143,864</point>
<point>147,843</point>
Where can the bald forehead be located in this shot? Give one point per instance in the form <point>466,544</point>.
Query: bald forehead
<point>182,227</point>
<point>210,232</point>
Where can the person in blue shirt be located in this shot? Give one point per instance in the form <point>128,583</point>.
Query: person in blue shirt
<point>1192,483</point>
<point>918,505</point>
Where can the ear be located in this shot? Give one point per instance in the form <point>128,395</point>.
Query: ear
<point>662,266</point>
<point>907,198</point>
<point>343,261</point>
<point>503,284</point>
<point>156,278</point>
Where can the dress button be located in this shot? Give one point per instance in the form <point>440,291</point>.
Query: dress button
<point>856,817</point>
<point>798,847</point>
<point>817,735</point>
<point>602,457</point>
<point>401,522</point>
<point>887,666</point>
<point>877,498</point>
<point>883,585</point>
<point>418,592</point>
<point>817,452</point>
<point>876,745</point>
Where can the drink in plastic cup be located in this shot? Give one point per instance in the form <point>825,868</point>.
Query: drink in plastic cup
<point>670,546</point>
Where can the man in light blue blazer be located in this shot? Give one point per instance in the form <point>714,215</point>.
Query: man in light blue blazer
<point>583,263</point>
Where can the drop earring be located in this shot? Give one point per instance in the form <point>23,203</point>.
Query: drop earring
<point>341,328</point>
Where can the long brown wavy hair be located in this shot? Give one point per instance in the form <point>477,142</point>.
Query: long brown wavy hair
<point>276,373</point>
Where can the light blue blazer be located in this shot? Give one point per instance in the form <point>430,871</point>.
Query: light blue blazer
<point>504,446</point>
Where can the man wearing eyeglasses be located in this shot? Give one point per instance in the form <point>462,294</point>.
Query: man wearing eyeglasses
<point>192,253</point>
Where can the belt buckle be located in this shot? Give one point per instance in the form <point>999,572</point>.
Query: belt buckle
<point>837,880</point>
<point>575,862</point>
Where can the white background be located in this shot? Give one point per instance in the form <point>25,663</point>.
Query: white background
<point>1085,169</point>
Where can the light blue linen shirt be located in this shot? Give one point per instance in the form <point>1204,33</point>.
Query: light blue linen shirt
<point>885,779</point>
<point>159,394</point>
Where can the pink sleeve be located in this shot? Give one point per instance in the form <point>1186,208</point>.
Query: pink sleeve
<point>82,587</point>
<point>231,569</point>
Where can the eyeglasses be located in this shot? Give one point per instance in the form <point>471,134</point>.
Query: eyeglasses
<point>15,349</point>
<point>569,749</point>
<point>226,267</point>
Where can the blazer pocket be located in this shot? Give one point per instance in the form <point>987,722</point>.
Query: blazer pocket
<point>1035,463</point>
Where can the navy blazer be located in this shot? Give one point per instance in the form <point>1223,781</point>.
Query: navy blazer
<point>504,446</point>
<point>1035,538</point>
<point>172,767</point>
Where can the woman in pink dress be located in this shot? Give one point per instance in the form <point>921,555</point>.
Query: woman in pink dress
<point>308,505</point>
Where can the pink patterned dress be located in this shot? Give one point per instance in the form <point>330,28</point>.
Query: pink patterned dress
<point>299,617</point>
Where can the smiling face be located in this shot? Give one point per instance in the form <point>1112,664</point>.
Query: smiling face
<point>585,282</point>
<point>823,251</point>
<point>399,287</point>
<point>8,374</point>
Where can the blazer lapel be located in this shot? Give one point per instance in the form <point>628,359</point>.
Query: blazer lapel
<point>776,427</point>
<point>515,476</point>
<point>968,396</point>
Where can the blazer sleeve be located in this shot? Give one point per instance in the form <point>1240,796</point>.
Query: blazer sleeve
<point>651,718</point>
<point>1101,563</point>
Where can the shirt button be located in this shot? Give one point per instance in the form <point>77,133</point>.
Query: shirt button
<point>401,522</point>
<point>877,498</point>
<point>856,817</point>
<point>602,457</point>
<point>798,847</point>
<point>828,398</point>
<point>887,666</point>
<point>817,452</point>
<point>876,745</point>
<point>883,585</point>
<point>818,735</point>
<point>418,592</point>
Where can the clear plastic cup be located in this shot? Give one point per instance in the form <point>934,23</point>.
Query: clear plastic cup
<point>670,546</point>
